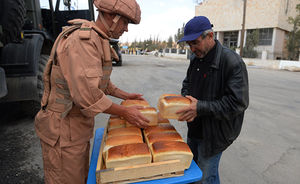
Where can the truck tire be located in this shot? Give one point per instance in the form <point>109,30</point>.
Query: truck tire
<point>36,104</point>
<point>40,84</point>
<point>12,15</point>
<point>119,63</point>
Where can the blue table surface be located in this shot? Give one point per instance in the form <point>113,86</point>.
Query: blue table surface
<point>190,175</point>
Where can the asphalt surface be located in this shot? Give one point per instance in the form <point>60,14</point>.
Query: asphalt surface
<point>266,152</point>
<point>20,152</point>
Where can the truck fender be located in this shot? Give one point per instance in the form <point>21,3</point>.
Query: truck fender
<point>21,59</point>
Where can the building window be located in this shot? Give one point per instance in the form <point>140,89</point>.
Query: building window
<point>231,39</point>
<point>265,36</point>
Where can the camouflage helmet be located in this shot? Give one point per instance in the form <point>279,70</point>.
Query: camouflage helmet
<point>126,8</point>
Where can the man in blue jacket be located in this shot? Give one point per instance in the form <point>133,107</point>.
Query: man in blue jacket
<point>217,85</point>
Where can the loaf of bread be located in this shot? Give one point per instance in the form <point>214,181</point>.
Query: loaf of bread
<point>124,131</point>
<point>127,124</point>
<point>162,120</point>
<point>151,114</point>
<point>159,128</point>
<point>169,105</point>
<point>172,150</point>
<point>128,155</point>
<point>163,136</point>
<point>129,103</point>
<point>163,96</point>
<point>121,140</point>
<point>115,122</point>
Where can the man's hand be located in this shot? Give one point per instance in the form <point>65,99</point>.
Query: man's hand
<point>189,113</point>
<point>135,117</point>
<point>135,96</point>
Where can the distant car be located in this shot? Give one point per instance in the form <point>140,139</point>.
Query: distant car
<point>115,45</point>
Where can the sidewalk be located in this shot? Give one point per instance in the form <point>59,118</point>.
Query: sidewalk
<point>293,66</point>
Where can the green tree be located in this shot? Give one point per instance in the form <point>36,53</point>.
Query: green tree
<point>179,35</point>
<point>150,44</point>
<point>163,44</point>
<point>251,42</point>
<point>170,42</point>
<point>293,42</point>
<point>133,44</point>
<point>139,44</point>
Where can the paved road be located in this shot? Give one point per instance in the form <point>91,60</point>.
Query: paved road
<point>267,151</point>
<point>20,152</point>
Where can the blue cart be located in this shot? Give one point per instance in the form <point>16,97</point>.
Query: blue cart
<point>190,175</point>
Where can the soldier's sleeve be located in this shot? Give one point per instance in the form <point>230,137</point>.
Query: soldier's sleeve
<point>81,64</point>
<point>111,89</point>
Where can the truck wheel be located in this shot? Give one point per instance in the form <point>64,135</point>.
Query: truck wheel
<point>40,84</point>
<point>36,104</point>
<point>119,63</point>
<point>12,13</point>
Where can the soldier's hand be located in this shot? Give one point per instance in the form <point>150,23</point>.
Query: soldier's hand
<point>189,113</point>
<point>135,117</point>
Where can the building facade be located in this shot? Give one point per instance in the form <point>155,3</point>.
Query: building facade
<point>269,17</point>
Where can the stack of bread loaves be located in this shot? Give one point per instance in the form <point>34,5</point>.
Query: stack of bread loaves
<point>158,129</point>
<point>128,155</point>
<point>116,122</point>
<point>124,131</point>
<point>125,147</point>
<point>169,104</point>
<point>162,136</point>
<point>166,143</point>
<point>172,150</point>
<point>121,139</point>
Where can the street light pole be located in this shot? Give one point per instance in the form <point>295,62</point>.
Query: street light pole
<point>243,29</point>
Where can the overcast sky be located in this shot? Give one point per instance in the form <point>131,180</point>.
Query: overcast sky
<point>160,18</point>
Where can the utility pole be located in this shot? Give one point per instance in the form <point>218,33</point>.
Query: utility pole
<point>243,29</point>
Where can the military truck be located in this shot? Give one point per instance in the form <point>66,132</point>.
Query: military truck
<point>27,34</point>
<point>115,45</point>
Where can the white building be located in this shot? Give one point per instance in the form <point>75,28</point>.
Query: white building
<point>268,16</point>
